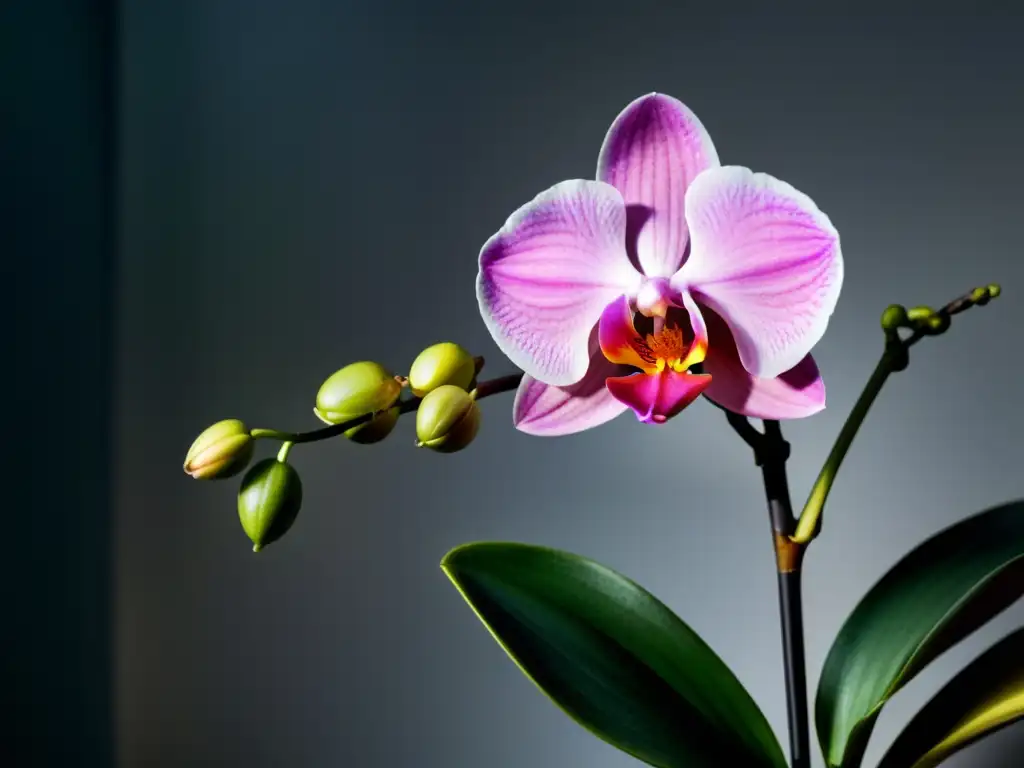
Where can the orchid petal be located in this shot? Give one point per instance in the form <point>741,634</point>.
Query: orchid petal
<point>654,149</point>
<point>797,393</point>
<point>547,411</point>
<point>619,339</point>
<point>657,398</point>
<point>767,260</point>
<point>547,274</point>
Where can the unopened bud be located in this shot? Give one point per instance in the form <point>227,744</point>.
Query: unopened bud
<point>447,420</point>
<point>371,431</point>
<point>221,451</point>
<point>441,364</point>
<point>919,314</point>
<point>994,290</point>
<point>938,323</point>
<point>357,390</point>
<point>894,316</point>
<point>269,501</point>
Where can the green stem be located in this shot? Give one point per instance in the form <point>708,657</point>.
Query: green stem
<point>484,389</point>
<point>791,536</point>
<point>810,518</point>
<point>282,454</point>
<point>894,358</point>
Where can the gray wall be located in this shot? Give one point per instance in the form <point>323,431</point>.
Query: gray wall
<point>309,183</point>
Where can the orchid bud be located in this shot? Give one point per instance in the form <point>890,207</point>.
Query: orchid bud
<point>356,390</point>
<point>894,316</point>
<point>269,501</point>
<point>221,451</point>
<point>372,431</point>
<point>937,323</point>
<point>441,364</point>
<point>919,314</point>
<point>447,420</point>
<point>982,296</point>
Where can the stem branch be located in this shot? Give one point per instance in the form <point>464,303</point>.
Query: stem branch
<point>484,389</point>
<point>809,524</point>
<point>894,358</point>
<point>792,536</point>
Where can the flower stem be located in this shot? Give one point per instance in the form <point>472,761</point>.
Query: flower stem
<point>771,451</point>
<point>809,524</point>
<point>792,536</point>
<point>484,389</point>
<point>894,358</point>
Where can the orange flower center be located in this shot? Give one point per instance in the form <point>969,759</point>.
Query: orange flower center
<point>667,348</point>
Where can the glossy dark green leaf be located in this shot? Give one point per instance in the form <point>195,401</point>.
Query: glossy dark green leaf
<point>613,657</point>
<point>986,696</point>
<point>938,594</point>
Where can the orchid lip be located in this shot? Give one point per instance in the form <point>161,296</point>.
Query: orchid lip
<point>665,345</point>
<point>656,399</point>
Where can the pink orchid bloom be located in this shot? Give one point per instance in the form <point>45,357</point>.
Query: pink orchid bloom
<point>607,292</point>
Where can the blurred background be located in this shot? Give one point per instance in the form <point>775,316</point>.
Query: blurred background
<point>217,204</point>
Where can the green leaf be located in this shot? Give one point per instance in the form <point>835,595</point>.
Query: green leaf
<point>613,657</point>
<point>937,595</point>
<point>984,697</point>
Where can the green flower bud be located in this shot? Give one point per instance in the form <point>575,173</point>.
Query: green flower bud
<point>938,323</point>
<point>919,314</point>
<point>357,390</point>
<point>447,420</point>
<point>372,431</point>
<point>894,316</point>
<point>221,451</point>
<point>982,296</point>
<point>441,364</point>
<point>269,501</point>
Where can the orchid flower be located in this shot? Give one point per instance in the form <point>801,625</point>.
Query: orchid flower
<point>608,293</point>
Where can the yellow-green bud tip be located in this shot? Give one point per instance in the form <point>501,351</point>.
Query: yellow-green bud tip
<point>919,314</point>
<point>994,290</point>
<point>442,364</point>
<point>894,316</point>
<point>360,389</point>
<point>938,323</point>
<point>447,420</point>
<point>221,451</point>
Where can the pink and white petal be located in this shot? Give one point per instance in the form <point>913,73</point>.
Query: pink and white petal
<point>653,151</point>
<point>657,398</point>
<point>796,394</point>
<point>547,411</point>
<point>767,260</point>
<point>547,274</point>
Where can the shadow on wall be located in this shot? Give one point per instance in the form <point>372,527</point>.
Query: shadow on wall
<point>60,196</point>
